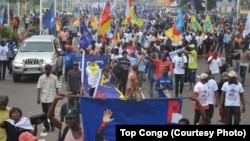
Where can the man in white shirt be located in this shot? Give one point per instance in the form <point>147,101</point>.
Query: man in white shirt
<point>4,57</point>
<point>232,95</point>
<point>213,97</point>
<point>215,66</point>
<point>179,63</point>
<point>201,93</point>
<point>47,88</point>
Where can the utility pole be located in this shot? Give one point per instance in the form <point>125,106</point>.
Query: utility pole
<point>238,10</point>
<point>40,16</point>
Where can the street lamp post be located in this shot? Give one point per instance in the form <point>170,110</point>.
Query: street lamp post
<point>40,17</point>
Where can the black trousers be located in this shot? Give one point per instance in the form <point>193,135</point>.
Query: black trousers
<point>3,65</point>
<point>232,112</point>
<point>9,64</point>
<point>179,82</point>
<point>45,108</point>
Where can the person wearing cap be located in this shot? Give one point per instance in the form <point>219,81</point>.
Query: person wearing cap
<point>71,129</point>
<point>47,88</point>
<point>192,65</point>
<point>224,78</point>
<point>201,92</point>
<point>69,58</point>
<point>74,79</point>
<point>27,136</point>
<point>231,98</point>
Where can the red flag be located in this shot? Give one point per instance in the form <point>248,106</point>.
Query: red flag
<point>176,31</point>
<point>173,106</point>
<point>105,22</point>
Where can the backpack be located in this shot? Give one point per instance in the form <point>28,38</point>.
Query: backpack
<point>65,131</point>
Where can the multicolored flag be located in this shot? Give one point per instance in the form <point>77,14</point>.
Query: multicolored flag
<point>105,22</point>
<point>195,24</point>
<point>207,26</point>
<point>128,112</point>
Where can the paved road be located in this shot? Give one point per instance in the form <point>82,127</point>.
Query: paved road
<point>24,95</point>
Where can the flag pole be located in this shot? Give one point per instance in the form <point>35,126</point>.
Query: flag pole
<point>40,17</point>
<point>55,9</point>
<point>238,9</point>
<point>62,5</point>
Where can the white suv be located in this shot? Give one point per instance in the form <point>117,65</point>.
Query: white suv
<point>34,53</point>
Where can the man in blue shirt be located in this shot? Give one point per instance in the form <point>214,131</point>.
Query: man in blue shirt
<point>69,58</point>
<point>164,83</point>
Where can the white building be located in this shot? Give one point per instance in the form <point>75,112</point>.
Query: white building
<point>226,6</point>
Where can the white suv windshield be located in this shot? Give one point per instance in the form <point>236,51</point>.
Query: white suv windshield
<point>37,47</point>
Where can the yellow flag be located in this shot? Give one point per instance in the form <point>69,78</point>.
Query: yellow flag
<point>208,27</point>
<point>195,24</point>
<point>170,35</point>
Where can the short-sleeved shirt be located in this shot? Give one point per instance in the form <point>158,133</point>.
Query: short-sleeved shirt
<point>192,60</point>
<point>48,86</point>
<point>201,90</point>
<point>163,82</point>
<point>179,63</point>
<point>212,87</point>
<point>3,53</point>
<point>69,58</point>
<point>75,80</point>
<point>232,93</point>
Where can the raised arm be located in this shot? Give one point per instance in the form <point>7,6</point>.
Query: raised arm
<point>51,112</point>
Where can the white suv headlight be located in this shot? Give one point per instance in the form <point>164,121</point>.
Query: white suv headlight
<point>17,61</point>
<point>49,60</point>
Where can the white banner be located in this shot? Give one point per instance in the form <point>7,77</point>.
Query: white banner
<point>247,26</point>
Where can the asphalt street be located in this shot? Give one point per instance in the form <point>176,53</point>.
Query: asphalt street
<point>24,94</point>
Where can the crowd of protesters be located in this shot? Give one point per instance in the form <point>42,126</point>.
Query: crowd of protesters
<point>142,54</point>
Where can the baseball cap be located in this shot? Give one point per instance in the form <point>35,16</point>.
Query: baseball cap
<point>224,75</point>
<point>71,112</point>
<point>75,63</point>
<point>203,76</point>
<point>232,74</point>
<point>192,46</point>
<point>27,136</point>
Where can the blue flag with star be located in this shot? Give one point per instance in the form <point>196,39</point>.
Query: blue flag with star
<point>49,21</point>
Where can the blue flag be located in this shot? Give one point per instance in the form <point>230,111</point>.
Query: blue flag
<point>2,14</point>
<point>180,21</point>
<point>49,21</point>
<point>131,112</point>
<point>86,38</point>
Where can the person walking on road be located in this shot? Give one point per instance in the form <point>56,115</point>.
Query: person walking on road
<point>232,96</point>
<point>47,89</point>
